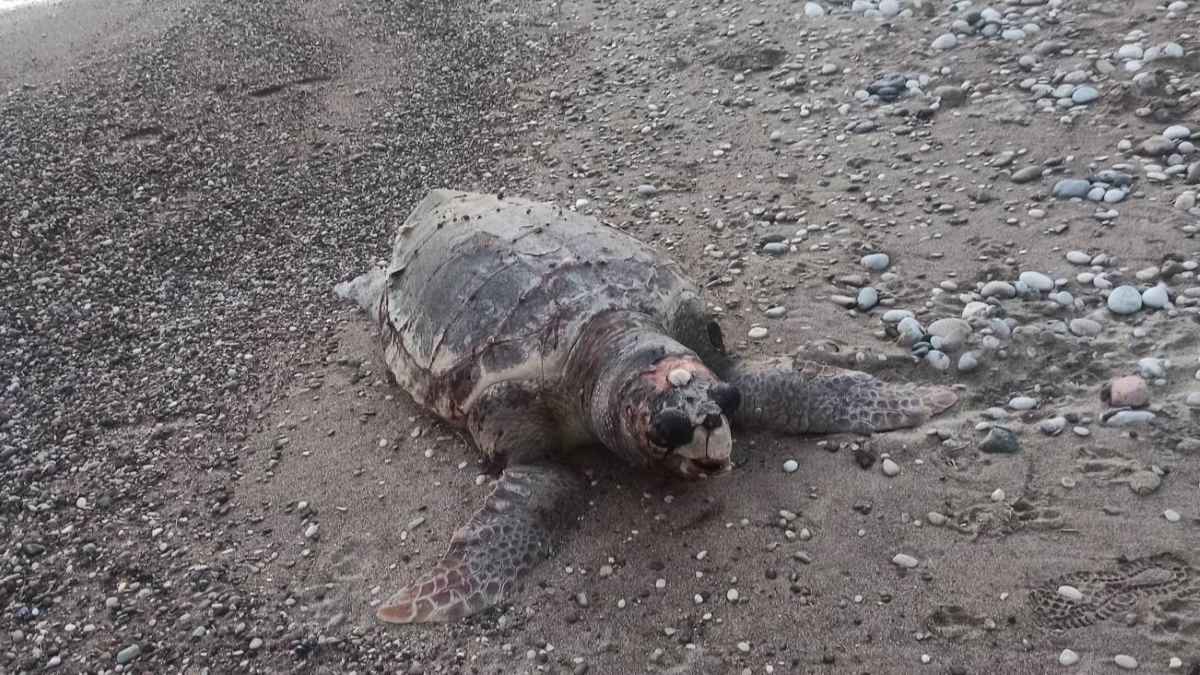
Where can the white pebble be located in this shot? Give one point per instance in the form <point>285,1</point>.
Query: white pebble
<point>889,467</point>
<point>998,495</point>
<point>1125,661</point>
<point>1068,658</point>
<point>1171,515</point>
<point>904,560</point>
<point>1070,593</point>
<point>791,466</point>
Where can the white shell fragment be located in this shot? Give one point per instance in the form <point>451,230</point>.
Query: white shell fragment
<point>680,377</point>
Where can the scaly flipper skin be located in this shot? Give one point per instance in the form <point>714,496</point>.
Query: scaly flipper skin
<point>807,397</point>
<point>502,541</point>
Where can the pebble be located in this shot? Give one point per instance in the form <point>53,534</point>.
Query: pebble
<point>1125,661</point>
<point>889,467</point>
<point>1085,327</point>
<point>128,654</point>
<point>1144,482</point>
<point>1023,403</point>
<point>910,331</point>
<point>953,332</point>
<point>1171,515</point>
<point>1078,258</point>
<point>867,298</point>
<point>876,262</point>
<point>1068,658</point>
<point>757,333</point>
<point>812,10</point>
<point>1177,132</point>
<point>1130,391</point>
<point>1124,300</point>
<point>1053,426</point>
<point>1128,418</point>
<point>791,466</point>
<point>968,362</point>
<point>1156,297</point>
<point>1000,441</point>
<point>1192,400</point>
<point>945,41</point>
<point>904,560</point>
<point>938,359</point>
<point>1084,95</point>
<point>1037,281</point>
<point>1069,188</point>
<point>1070,593</point>
<point>998,495</point>
<point>1001,289</point>
<point>1027,174</point>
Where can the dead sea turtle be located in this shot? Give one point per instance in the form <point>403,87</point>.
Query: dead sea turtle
<point>537,329</point>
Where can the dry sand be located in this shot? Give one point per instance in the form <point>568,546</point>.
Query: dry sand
<point>643,94</point>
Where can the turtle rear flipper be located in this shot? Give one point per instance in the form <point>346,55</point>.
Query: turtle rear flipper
<point>809,397</point>
<point>501,542</point>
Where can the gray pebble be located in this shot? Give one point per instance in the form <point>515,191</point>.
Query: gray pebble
<point>1124,300</point>
<point>1085,327</point>
<point>1156,297</point>
<point>910,331</point>
<point>1027,174</point>
<point>876,262</point>
<point>1068,188</point>
<point>867,298</point>
<point>939,360</point>
<point>128,654</point>
<point>1023,403</point>
<point>1000,289</point>
<point>1084,95</point>
<point>968,362</point>
<point>1000,441</point>
<point>953,332</point>
<point>1144,482</point>
<point>1053,426</point>
<point>1127,418</point>
<point>1037,281</point>
<point>945,41</point>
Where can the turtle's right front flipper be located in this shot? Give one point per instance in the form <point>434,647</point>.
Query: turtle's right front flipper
<point>502,541</point>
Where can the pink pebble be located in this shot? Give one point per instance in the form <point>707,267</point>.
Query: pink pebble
<point>1129,391</point>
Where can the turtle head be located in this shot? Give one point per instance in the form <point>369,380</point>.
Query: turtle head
<point>676,413</point>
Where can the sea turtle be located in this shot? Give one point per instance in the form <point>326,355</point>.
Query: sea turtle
<point>537,329</point>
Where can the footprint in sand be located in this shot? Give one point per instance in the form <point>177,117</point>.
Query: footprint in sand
<point>1164,587</point>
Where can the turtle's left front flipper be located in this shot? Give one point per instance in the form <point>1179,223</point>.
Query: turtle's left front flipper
<point>808,397</point>
<point>502,541</point>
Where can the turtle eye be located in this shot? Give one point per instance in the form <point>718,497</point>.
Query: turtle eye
<point>727,397</point>
<point>671,429</point>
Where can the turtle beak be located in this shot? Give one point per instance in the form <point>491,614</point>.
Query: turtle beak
<point>708,453</point>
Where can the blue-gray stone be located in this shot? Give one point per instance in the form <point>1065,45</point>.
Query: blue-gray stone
<point>1156,297</point>
<point>1068,188</point>
<point>1084,94</point>
<point>867,298</point>
<point>1124,300</point>
<point>876,262</point>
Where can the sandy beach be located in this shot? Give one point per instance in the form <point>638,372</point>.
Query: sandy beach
<point>205,467</point>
